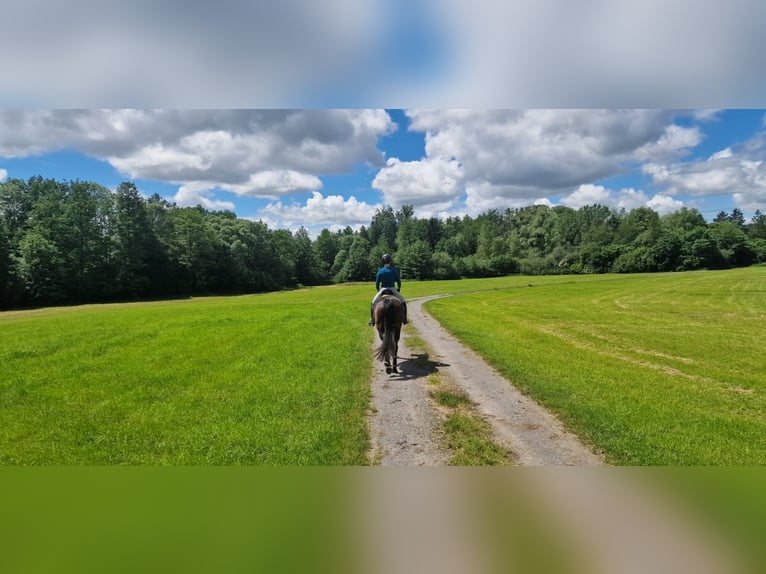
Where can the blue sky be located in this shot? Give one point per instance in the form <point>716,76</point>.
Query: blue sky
<point>332,168</point>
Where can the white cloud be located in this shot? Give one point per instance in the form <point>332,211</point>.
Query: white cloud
<point>155,161</point>
<point>740,173</point>
<point>552,149</point>
<point>474,160</point>
<point>751,200</point>
<point>482,196</point>
<point>587,194</point>
<point>675,142</point>
<point>191,196</point>
<point>664,204</point>
<point>511,158</point>
<point>430,183</point>
<point>630,198</point>
<point>3,174</point>
<point>722,154</point>
<point>627,199</point>
<point>270,183</point>
<point>319,211</point>
<point>543,149</point>
<point>705,115</point>
<point>266,153</point>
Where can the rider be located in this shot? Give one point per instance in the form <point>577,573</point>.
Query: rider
<point>387,276</point>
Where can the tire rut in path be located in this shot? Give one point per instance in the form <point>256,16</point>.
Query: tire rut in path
<point>405,426</point>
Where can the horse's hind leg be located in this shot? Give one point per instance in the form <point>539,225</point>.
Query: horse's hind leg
<point>396,355</point>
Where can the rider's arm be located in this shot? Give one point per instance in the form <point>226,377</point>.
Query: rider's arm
<point>377,281</point>
<point>398,280</point>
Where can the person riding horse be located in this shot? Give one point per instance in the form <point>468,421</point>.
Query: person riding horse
<point>386,278</point>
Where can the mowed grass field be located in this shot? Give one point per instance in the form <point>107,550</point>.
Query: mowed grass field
<point>662,369</point>
<point>655,369</point>
<point>274,379</point>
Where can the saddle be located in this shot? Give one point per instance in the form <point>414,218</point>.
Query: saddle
<point>389,292</point>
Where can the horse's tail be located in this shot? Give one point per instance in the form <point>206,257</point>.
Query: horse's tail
<point>389,344</point>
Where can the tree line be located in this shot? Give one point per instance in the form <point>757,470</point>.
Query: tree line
<point>67,242</point>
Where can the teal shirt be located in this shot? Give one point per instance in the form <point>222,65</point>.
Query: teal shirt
<point>387,277</point>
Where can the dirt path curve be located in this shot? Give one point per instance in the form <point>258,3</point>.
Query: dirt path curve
<point>404,424</point>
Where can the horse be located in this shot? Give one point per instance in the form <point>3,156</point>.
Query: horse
<point>388,315</point>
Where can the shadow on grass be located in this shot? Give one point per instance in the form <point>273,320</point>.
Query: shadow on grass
<point>417,365</point>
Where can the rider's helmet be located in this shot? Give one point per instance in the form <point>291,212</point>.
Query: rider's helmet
<point>386,258</point>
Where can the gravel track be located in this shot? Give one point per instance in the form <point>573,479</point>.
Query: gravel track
<point>404,423</point>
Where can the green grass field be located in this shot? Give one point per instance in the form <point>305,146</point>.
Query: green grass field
<point>276,379</point>
<point>663,369</point>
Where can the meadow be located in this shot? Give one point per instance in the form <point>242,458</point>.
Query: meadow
<point>274,379</point>
<point>654,369</point>
<point>661,369</point>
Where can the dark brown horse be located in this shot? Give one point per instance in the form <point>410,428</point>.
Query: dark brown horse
<point>388,315</point>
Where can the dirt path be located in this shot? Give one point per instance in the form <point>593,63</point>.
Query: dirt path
<point>404,423</point>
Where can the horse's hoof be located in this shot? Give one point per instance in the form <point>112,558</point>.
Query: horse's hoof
<point>396,370</point>
<point>388,370</point>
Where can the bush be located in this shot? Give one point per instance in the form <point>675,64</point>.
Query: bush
<point>759,249</point>
<point>443,266</point>
<point>638,260</point>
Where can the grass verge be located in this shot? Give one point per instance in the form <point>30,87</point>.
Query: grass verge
<point>468,437</point>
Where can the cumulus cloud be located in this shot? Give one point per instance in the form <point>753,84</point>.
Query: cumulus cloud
<point>191,196</point>
<point>675,142</point>
<point>630,198</point>
<point>626,198</point>
<point>664,204</point>
<point>739,172</point>
<point>474,160</point>
<point>511,158</point>
<point>272,183</point>
<point>587,194</point>
<point>3,174</point>
<point>430,183</point>
<point>481,196</point>
<point>261,153</point>
<point>319,211</point>
<point>544,201</point>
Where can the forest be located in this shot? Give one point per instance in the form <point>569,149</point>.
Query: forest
<point>68,242</point>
